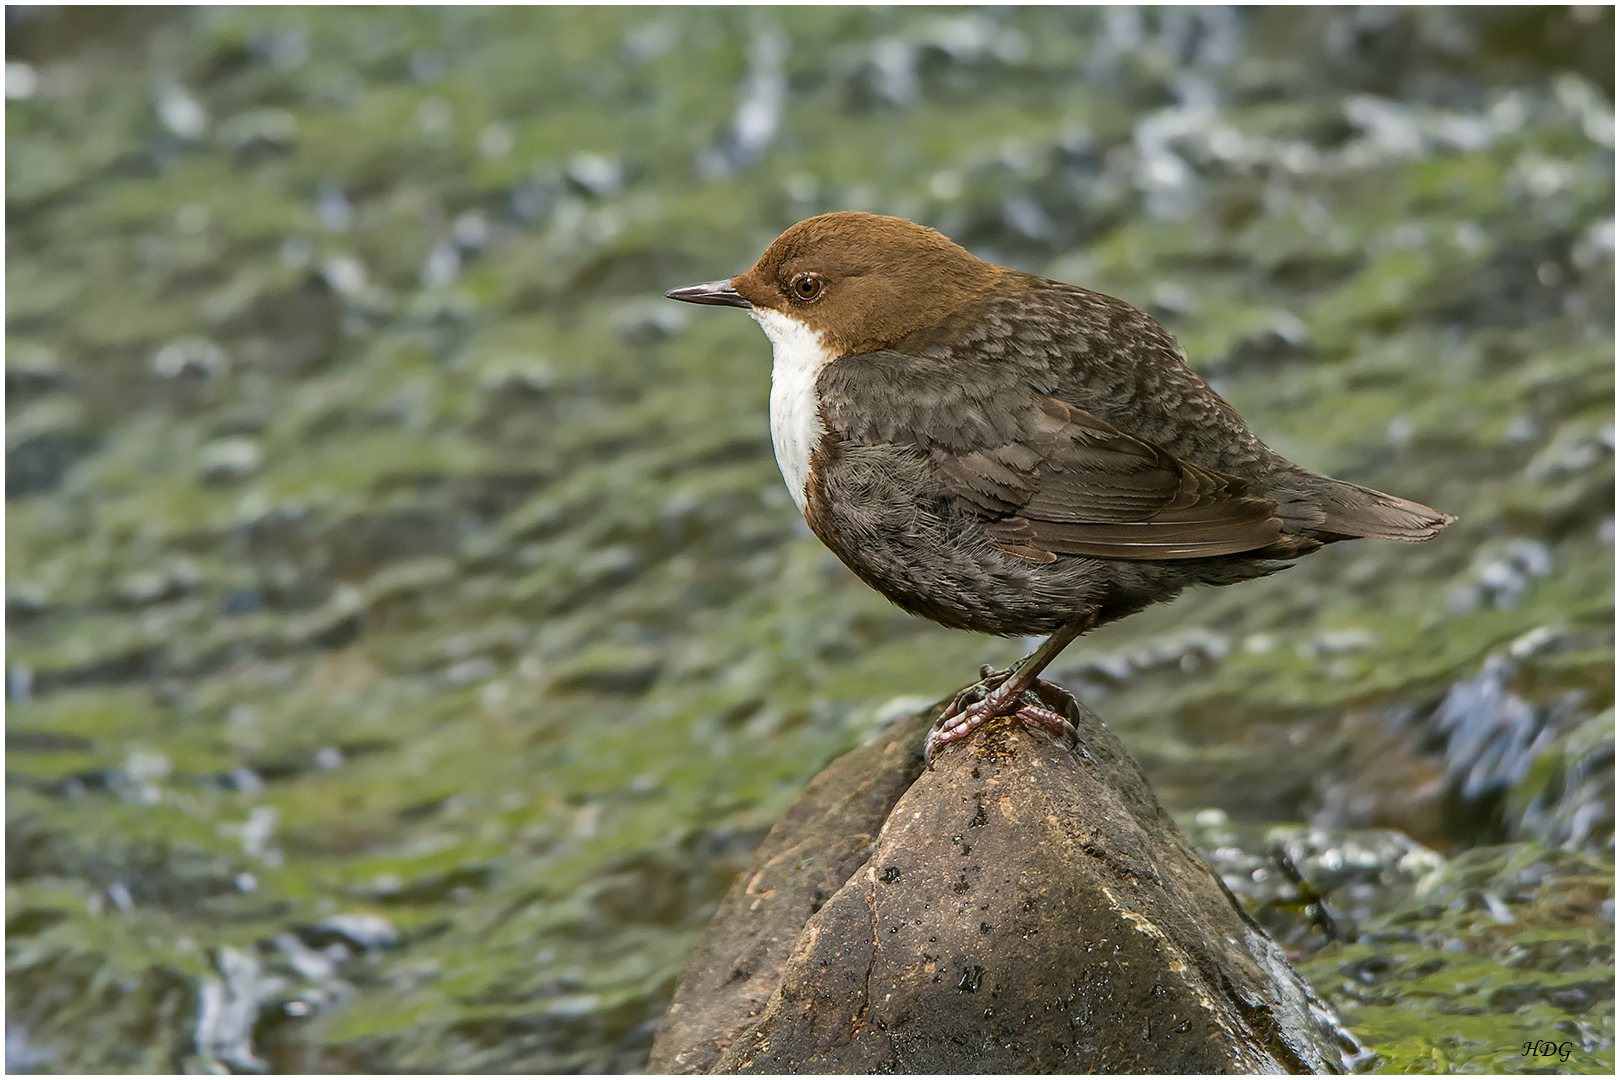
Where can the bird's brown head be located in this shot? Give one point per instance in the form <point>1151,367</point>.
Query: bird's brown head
<point>861,281</point>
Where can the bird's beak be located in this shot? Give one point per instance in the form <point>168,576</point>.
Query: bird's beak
<point>710,292</point>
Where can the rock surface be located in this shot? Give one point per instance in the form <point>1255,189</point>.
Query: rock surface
<point>1020,908</point>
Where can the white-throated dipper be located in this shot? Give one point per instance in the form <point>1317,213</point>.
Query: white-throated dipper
<point>1002,453</point>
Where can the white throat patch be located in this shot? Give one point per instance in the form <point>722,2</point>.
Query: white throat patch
<point>797,357</point>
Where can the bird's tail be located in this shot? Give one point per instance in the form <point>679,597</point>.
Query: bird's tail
<point>1352,511</point>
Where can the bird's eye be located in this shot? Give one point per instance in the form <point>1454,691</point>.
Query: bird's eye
<point>807,288</point>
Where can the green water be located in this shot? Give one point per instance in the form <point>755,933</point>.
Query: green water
<point>382,548</point>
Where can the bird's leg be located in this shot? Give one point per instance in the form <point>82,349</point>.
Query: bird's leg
<point>1021,693</point>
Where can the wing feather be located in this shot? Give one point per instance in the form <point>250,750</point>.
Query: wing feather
<point>1079,486</point>
<point>1045,478</point>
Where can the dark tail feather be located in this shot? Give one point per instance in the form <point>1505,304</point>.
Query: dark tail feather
<point>1357,511</point>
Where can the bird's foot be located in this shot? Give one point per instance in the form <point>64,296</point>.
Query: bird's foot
<point>1045,706</point>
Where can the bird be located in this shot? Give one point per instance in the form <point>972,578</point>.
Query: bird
<point>1007,454</point>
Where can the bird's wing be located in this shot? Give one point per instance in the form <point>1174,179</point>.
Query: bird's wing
<point>1046,477</point>
<point>1078,486</point>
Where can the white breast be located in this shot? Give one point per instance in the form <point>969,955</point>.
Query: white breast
<point>797,357</point>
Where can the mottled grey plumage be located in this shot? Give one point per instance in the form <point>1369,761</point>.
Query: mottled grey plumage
<point>944,485</point>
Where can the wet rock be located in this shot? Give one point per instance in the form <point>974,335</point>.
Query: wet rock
<point>1547,959</point>
<point>31,372</point>
<point>1502,575</point>
<point>1567,796</point>
<point>21,1055</point>
<point>807,858</point>
<point>1283,342</point>
<point>1492,733</point>
<point>593,174</point>
<point>229,461</point>
<point>883,73</point>
<point>365,931</point>
<point>332,626</point>
<point>181,113</point>
<point>228,1007</point>
<point>1020,908</point>
<point>974,39</point>
<point>1571,452</point>
<point>1516,750</point>
<point>1310,887</point>
<point>146,587</point>
<point>25,601</point>
<point>42,444</point>
<point>258,134</point>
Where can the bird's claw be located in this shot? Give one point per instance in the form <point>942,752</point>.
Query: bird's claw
<point>1046,706</point>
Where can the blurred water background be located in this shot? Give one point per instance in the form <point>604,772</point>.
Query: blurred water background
<point>409,634</point>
